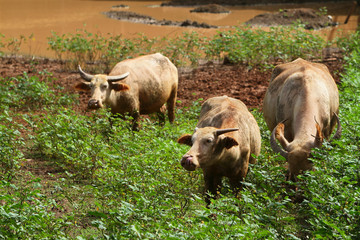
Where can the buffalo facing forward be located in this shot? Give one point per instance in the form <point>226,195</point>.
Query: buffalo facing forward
<point>222,144</point>
<point>301,108</point>
<point>137,86</point>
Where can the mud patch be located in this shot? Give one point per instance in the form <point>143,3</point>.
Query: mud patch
<point>311,18</point>
<point>210,8</point>
<point>120,6</point>
<point>139,18</point>
<point>230,2</point>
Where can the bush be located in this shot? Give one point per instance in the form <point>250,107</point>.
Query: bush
<point>72,142</point>
<point>260,47</point>
<point>244,44</point>
<point>25,213</point>
<point>29,93</point>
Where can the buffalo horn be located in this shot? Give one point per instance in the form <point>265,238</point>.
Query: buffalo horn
<point>117,77</point>
<point>275,146</point>
<point>337,135</point>
<point>222,131</point>
<point>87,77</point>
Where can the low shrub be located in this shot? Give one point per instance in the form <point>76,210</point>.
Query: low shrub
<point>29,93</point>
<point>242,44</point>
<point>26,213</point>
<point>11,145</point>
<point>72,142</point>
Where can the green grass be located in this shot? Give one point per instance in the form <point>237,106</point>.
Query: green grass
<point>70,176</point>
<point>100,52</point>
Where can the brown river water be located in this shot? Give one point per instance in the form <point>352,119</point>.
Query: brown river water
<point>41,17</point>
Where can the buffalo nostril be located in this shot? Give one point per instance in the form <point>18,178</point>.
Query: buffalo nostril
<point>93,103</point>
<point>186,161</point>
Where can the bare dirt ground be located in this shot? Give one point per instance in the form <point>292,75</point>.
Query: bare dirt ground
<point>209,80</point>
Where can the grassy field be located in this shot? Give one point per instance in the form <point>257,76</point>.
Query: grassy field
<point>108,182</point>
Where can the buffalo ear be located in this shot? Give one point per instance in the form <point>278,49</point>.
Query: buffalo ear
<point>120,87</point>
<point>82,86</point>
<point>229,142</point>
<point>185,139</point>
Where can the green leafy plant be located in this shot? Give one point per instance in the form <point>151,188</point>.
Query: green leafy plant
<point>26,213</point>
<point>10,147</point>
<point>73,143</point>
<point>28,92</point>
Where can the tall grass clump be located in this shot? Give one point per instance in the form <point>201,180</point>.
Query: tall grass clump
<point>85,47</point>
<point>261,47</point>
<point>239,45</point>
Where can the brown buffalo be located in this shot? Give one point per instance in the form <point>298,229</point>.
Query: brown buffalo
<point>301,108</point>
<point>137,86</point>
<point>222,144</point>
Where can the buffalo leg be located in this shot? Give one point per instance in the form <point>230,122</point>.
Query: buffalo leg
<point>236,185</point>
<point>171,105</point>
<point>212,187</point>
<point>161,115</point>
<point>136,118</point>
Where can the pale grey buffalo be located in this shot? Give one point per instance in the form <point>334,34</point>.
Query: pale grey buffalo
<point>137,86</point>
<point>301,108</point>
<point>222,144</point>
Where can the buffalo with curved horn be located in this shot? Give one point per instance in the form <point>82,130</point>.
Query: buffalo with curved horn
<point>222,144</point>
<point>137,86</point>
<point>301,109</point>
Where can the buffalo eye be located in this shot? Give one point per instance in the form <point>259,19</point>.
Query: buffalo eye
<point>209,140</point>
<point>103,87</point>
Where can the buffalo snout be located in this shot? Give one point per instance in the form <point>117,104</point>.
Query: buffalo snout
<point>93,104</point>
<point>187,162</point>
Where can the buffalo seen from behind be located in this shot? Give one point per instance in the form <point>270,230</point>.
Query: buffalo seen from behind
<point>222,144</point>
<point>136,86</point>
<point>301,108</point>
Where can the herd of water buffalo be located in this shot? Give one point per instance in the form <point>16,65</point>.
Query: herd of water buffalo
<point>300,107</point>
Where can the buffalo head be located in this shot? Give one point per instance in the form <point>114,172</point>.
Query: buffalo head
<point>297,152</point>
<point>100,86</point>
<point>206,144</point>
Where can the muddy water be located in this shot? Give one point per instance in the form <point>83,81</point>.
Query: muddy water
<point>41,17</point>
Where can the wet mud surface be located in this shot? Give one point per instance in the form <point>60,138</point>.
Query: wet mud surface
<point>144,19</point>
<point>310,18</point>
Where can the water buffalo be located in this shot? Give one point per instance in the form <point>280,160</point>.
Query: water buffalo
<point>301,108</point>
<point>137,86</point>
<point>222,144</point>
